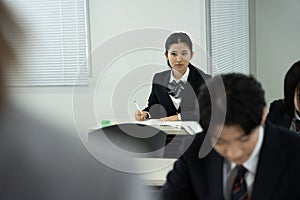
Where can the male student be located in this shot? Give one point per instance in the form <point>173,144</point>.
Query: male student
<point>248,159</point>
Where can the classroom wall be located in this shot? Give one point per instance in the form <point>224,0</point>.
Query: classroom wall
<point>128,28</point>
<point>277,47</point>
<point>114,26</point>
<point>277,42</point>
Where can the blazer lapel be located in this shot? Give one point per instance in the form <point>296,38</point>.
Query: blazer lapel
<point>271,163</point>
<point>191,85</point>
<point>168,103</point>
<point>286,121</point>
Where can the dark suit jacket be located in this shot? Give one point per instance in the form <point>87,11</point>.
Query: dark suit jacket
<point>277,175</point>
<point>160,104</point>
<point>278,115</point>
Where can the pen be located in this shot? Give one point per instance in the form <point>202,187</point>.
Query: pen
<point>137,106</point>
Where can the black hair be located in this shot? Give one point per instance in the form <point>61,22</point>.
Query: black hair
<point>242,103</point>
<point>176,38</point>
<point>291,82</point>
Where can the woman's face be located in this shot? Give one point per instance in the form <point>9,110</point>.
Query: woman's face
<point>297,99</point>
<point>179,56</point>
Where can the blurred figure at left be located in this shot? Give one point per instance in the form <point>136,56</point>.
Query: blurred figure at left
<point>41,162</point>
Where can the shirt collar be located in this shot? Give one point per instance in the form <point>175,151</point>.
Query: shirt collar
<point>183,78</point>
<point>252,161</point>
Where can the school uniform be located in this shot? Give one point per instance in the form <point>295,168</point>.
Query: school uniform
<point>276,176</point>
<point>160,103</point>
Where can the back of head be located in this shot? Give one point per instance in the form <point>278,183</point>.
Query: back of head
<point>241,103</point>
<point>291,82</point>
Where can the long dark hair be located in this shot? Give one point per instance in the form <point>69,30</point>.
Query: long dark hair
<point>291,81</point>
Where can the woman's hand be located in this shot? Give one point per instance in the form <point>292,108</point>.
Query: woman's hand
<point>170,118</point>
<point>140,116</point>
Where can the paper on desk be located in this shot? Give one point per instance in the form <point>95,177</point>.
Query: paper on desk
<point>192,127</point>
<point>157,122</point>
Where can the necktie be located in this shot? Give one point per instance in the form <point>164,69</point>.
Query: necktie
<point>176,89</point>
<point>239,188</point>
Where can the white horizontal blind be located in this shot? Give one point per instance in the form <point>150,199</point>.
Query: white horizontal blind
<point>56,43</point>
<point>229,34</point>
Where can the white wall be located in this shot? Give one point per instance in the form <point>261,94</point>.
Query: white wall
<point>277,47</point>
<point>122,26</point>
<point>277,42</point>
<point>127,41</point>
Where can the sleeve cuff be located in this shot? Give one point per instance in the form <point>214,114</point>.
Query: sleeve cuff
<point>148,115</point>
<point>179,117</point>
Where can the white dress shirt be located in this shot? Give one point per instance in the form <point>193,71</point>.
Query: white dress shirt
<point>184,78</point>
<point>250,164</point>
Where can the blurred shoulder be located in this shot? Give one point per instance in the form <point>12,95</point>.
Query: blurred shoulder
<point>287,138</point>
<point>279,103</point>
<point>198,72</point>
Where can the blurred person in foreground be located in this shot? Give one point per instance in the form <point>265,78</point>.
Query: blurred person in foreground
<point>39,162</point>
<point>246,158</point>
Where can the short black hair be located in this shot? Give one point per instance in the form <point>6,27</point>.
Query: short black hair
<point>291,82</point>
<point>242,103</point>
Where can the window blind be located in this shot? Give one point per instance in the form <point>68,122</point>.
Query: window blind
<point>229,36</point>
<point>56,46</point>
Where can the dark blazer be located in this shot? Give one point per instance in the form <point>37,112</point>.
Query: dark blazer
<point>278,115</point>
<point>160,104</point>
<point>277,175</point>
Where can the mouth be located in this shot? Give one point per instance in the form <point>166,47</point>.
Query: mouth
<point>179,65</point>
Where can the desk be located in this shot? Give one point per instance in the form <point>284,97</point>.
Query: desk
<point>160,166</point>
<point>169,127</point>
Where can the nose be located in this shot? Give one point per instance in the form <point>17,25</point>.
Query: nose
<point>234,153</point>
<point>179,58</point>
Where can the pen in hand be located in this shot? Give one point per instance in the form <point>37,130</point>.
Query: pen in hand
<point>143,114</point>
<point>137,106</point>
<point>139,116</point>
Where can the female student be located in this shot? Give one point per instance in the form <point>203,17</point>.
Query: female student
<point>286,112</point>
<point>174,91</point>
